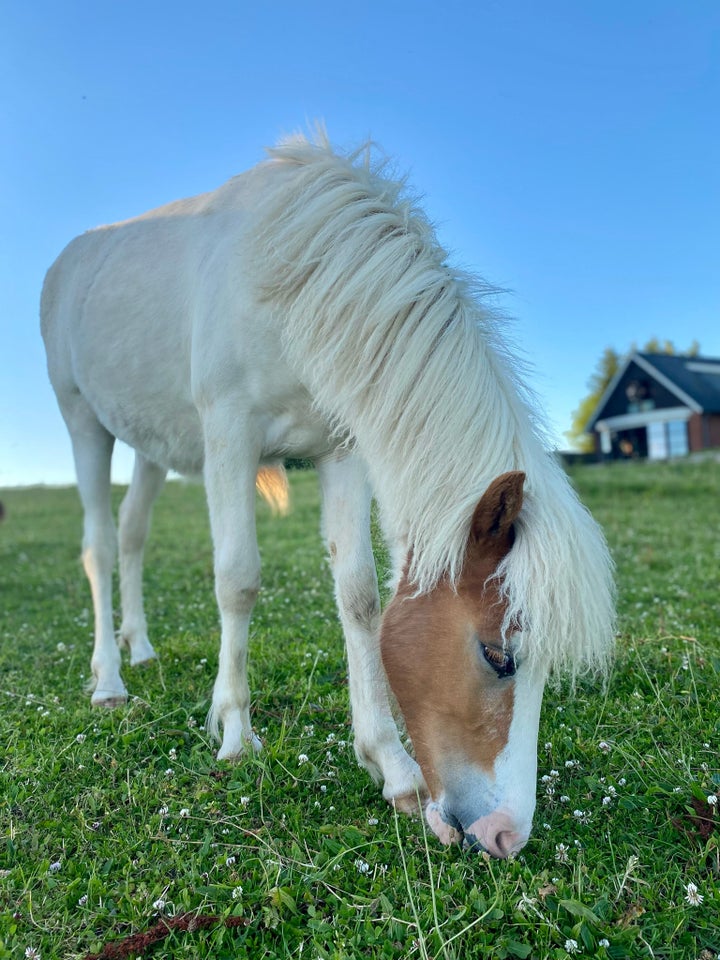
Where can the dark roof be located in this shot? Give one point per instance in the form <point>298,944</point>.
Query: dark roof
<point>698,377</point>
<point>694,381</point>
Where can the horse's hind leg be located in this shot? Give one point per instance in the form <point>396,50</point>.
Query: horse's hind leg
<point>92,449</point>
<point>134,524</point>
<point>346,526</point>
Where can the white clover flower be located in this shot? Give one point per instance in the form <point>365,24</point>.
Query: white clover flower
<point>606,801</point>
<point>229,861</point>
<point>693,897</point>
<point>564,798</point>
<point>172,753</point>
<point>164,811</point>
<point>302,758</point>
<point>561,853</point>
<point>712,799</point>
<point>604,746</point>
<point>526,903</point>
<point>237,893</point>
<point>169,772</point>
<point>54,867</point>
<point>244,801</point>
<point>80,738</point>
<point>372,822</point>
<point>32,953</point>
<point>571,946</point>
<point>185,813</point>
<point>83,900</point>
<point>603,942</point>
<point>159,904</point>
<point>569,764</point>
<point>362,866</point>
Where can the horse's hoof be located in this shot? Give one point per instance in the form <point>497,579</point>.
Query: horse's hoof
<point>232,750</point>
<point>139,661</point>
<point>108,701</point>
<point>141,650</point>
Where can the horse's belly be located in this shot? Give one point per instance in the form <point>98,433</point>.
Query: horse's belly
<point>162,427</point>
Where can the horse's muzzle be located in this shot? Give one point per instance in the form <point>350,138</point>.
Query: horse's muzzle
<point>496,833</point>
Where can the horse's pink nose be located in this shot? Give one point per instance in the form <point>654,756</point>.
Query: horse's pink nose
<point>499,834</point>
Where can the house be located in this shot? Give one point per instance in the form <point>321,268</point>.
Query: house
<point>659,405</point>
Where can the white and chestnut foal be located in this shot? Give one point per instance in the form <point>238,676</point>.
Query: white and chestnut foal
<point>305,309</point>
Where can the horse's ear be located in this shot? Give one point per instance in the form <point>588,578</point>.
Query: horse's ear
<point>498,508</point>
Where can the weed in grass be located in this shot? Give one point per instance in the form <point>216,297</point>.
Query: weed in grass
<point>115,825</point>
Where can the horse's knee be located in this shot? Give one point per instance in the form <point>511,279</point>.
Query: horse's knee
<point>99,549</point>
<point>358,598</point>
<point>236,593</point>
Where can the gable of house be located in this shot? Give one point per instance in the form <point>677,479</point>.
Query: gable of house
<point>660,382</point>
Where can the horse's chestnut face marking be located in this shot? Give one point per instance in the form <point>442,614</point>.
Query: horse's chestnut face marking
<point>455,677</point>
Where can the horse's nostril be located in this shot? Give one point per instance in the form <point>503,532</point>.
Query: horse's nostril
<point>507,842</point>
<point>502,845</point>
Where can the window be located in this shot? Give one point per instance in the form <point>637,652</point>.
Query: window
<point>668,439</point>
<point>677,438</point>
<point>657,441</point>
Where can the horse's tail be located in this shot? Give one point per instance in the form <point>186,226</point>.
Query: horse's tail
<point>272,485</point>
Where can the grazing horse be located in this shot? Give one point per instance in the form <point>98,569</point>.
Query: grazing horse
<point>306,309</point>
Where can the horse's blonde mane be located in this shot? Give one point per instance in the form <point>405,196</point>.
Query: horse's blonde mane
<point>404,354</point>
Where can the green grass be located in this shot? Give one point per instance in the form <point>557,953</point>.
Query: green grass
<point>104,814</point>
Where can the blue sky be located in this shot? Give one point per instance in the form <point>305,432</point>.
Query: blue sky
<point>567,151</point>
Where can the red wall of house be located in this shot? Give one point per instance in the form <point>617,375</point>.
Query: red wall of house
<point>704,431</point>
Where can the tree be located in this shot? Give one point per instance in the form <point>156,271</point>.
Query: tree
<point>607,366</point>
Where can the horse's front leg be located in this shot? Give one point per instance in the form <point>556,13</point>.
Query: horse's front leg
<point>346,526</point>
<point>231,461</point>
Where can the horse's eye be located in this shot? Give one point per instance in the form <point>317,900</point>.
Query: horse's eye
<point>502,663</point>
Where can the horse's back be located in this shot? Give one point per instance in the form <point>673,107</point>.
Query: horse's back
<point>150,318</point>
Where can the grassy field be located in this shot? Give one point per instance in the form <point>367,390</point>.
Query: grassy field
<point>119,828</point>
